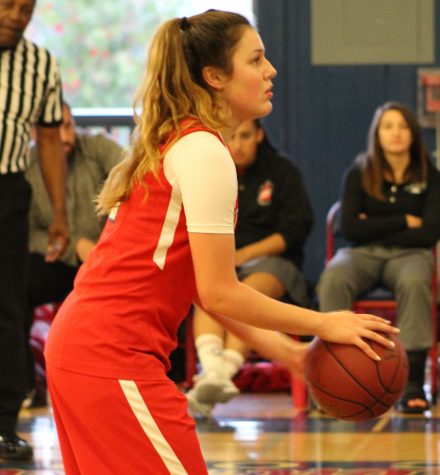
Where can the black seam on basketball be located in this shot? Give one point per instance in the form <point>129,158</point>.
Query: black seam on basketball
<point>396,372</point>
<point>352,377</point>
<point>365,408</point>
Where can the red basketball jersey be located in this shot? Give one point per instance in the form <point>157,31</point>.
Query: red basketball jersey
<point>133,291</point>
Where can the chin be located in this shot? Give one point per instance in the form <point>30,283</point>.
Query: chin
<point>8,44</point>
<point>266,111</point>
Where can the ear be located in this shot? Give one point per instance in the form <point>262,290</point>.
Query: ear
<point>214,77</point>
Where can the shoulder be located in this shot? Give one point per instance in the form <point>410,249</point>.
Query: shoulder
<point>199,143</point>
<point>433,175</point>
<point>37,50</point>
<point>354,171</point>
<point>432,170</point>
<point>200,154</point>
<point>96,140</point>
<point>273,160</point>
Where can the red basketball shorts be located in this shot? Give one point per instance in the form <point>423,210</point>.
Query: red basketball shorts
<point>114,427</point>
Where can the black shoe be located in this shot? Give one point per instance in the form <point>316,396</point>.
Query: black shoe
<point>13,447</point>
<point>404,406</point>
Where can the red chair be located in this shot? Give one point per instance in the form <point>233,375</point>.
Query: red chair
<point>380,301</point>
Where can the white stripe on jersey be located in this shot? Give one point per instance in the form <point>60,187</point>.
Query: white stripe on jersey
<point>168,229</point>
<point>150,428</point>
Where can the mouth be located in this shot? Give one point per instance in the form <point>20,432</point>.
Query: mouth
<point>10,31</point>
<point>10,34</point>
<point>268,93</point>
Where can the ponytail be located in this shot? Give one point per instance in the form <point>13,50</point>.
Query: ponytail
<point>173,89</point>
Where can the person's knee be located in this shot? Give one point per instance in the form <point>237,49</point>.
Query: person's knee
<point>331,281</point>
<point>414,282</point>
<point>266,283</point>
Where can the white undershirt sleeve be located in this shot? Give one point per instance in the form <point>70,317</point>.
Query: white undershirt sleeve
<point>200,167</point>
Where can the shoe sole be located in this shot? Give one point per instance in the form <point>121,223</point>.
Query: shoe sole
<point>213,393</point>
<point>199,409</point>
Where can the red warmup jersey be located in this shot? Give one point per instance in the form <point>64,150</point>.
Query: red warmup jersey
<point>134,290</point>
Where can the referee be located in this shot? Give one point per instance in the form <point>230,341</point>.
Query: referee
<point>30,95</point>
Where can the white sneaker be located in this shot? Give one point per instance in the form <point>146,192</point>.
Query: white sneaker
<point>197,408</point>
<point>211,387</point>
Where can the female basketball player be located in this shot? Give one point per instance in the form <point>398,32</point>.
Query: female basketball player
<point>169,240</point>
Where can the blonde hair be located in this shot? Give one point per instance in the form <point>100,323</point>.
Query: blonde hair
<point>173,89</point>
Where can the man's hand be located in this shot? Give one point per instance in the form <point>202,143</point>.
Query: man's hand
<point>58,237</point>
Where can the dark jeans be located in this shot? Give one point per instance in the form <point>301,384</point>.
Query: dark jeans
<point>47,282</point>
<point>14,207</point>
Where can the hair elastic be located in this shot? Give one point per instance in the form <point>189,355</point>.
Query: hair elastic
<point>184,24</point>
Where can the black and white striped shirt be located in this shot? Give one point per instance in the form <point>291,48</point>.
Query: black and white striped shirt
<point>30,93</point>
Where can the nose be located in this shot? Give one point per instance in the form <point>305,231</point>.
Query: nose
<point>270,71</point>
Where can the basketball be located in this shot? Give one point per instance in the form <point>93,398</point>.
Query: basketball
<point>349,385</point>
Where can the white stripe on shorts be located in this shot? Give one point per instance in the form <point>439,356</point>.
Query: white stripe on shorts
<point>150,427</point>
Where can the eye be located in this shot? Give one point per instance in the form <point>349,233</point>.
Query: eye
<point>257,59</point>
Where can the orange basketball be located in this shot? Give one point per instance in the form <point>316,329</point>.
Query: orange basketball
<point>347,384</point>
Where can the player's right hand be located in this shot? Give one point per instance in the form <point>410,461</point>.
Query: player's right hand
<point>356,329</point>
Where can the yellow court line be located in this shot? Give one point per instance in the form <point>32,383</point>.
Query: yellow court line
<point>382,422</point>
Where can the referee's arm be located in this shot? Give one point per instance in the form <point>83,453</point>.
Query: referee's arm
<point>53,167</point>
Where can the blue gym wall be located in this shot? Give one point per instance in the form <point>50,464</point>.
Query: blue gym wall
<point>321,114</point>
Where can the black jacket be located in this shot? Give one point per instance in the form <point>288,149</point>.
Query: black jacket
<point>386,222</point>
<point>272,199</point>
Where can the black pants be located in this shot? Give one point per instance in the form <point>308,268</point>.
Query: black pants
<point>14,207</point>
<point>47,282</point>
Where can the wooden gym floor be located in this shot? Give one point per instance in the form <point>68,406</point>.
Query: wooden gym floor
<point>262,434</point>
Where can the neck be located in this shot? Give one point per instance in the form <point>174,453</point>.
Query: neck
<point>228,131</point>
<point>398,163</point>
<point>226,134</point>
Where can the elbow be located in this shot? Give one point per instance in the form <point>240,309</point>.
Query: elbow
<point>213,298</point>
<point>210,301</point>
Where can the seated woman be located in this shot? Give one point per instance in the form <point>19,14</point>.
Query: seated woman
<point>274,220</point>
<point>390,213</point>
